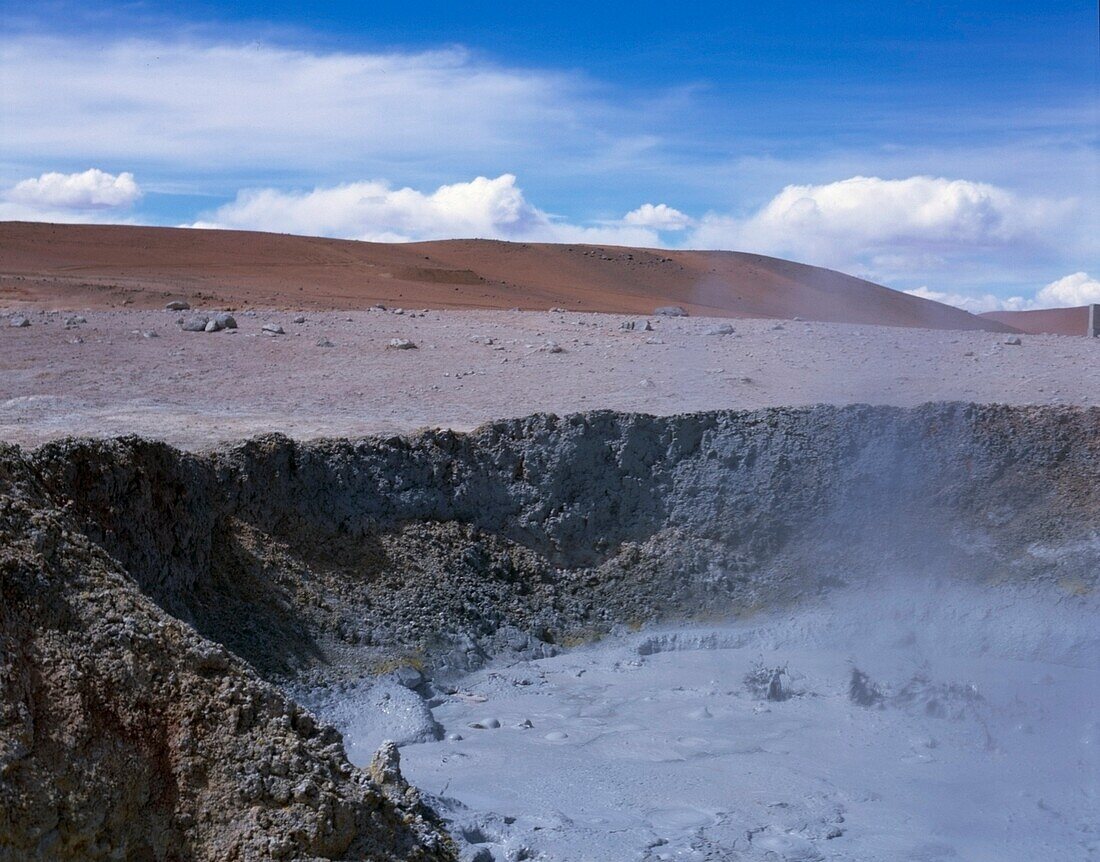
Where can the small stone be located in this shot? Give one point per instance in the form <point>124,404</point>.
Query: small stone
<point>1013,341</point>
<point>301,318</point>
<point>178,305</point>
<point>149,333</point>
<point>225,320</point>
<point>720,329</point>
<point>19,321</point>
<point>211,326</point>
<point>272,329</point>
<point>525,724</point>
<point>401,344</point>
<point>75,320</point>
<point>324,342</point>
<point>485,724</point>
<point>551,347</point>
<point>408,676</point>
<point>670,311</point>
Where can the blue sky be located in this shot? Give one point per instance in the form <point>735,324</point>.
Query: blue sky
<point>944,147</point>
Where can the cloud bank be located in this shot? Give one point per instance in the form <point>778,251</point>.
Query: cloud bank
<point>186,105</point>
<point>1066,292</point>
<point>481,208</point>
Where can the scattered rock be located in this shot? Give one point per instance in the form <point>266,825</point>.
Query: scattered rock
<point>670,311</point>
<point>408,676</point>
<point>324,342</point>
<point>225,320</point>
<point>769,683</point>
<point>272,329</point>
<point>178,305</point>
<point>19,321</point>
<point>862,691</point>
<point>211,326</point>
<point>301,318</point>
<point>401,344</point>
<point>197,323</point>
<point>149,333</point>
<point>75,320</point>
<point>720,329</point>
<point>551,347</point>
<point>485,724</point>
<point>1013,341</point>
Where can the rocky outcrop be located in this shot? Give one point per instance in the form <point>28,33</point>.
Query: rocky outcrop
<point>126,735</point>
<point>147,593</point>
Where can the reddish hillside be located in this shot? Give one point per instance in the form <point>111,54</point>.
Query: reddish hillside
<point>1056,321</point>
<point>77,266</point>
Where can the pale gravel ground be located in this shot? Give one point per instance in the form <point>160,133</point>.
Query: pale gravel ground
<point>103,378</point>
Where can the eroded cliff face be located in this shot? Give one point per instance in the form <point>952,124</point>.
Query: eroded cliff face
<point>149,593</point>
<point>126,735</point>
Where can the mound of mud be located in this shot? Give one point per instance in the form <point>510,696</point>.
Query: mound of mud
<point>150,597</point>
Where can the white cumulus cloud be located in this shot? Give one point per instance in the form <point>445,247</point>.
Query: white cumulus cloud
<point>1067,292</point>
<point>92,189</point>
<point>373,210</point>
<point>90,196</point>
<point>881,227</point>
<point>659,217</point>
<point>1076,289</point>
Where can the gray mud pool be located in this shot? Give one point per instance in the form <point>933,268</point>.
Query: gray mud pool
<point>926,723</point>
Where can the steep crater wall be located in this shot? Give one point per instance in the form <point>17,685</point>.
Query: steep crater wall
<point>300,555</point>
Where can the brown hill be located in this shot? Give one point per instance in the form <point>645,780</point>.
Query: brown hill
<point>1055,321</point>
<point>93,266</point>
